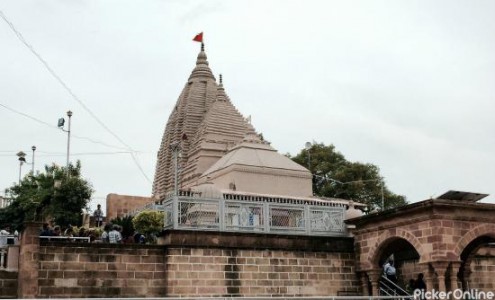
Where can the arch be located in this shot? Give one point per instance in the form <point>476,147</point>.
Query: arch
<point>468,245</point>
<point>386,237</point>
<point>471,235</point>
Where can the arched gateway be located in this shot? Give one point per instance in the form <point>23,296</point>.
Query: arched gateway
<point>436,237</point>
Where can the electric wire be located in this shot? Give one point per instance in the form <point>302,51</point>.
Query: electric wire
<point>48,154</point>
<point>71,93</point>
<point>56,127</point>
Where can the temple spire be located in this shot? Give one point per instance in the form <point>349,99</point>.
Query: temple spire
<point>202,69</point>
<point>221,95</point>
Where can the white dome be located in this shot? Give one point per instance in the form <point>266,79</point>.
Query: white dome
<point>352,212</point>
<point>207,190</point>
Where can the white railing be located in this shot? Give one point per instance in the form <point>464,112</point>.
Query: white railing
<point>255,214</point>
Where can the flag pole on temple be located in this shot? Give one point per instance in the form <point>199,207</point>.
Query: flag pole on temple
<point>199,38</point>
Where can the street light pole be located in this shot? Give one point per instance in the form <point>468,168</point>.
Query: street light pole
<point>20,170</point>
<point>22,160</point>
<point>383,200</point>
<point>32,162</point>
<point>69,114</point>
<point>308,146</point>
<point>175,147</point>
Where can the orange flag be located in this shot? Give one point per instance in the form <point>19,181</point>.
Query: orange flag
<point>198,37</point>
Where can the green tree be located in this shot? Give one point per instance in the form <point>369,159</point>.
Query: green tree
<point>149,223</point>
<point>336,177</point>
<point>56,194</point>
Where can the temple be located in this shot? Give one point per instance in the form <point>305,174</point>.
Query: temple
<point>240,220</point>
<point>218,145</point>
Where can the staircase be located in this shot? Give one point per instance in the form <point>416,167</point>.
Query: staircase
<point>389,288</point>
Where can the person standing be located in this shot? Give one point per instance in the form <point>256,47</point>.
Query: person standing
<point>389,271</point>
<point>98,214</point>
<point>420,285</point>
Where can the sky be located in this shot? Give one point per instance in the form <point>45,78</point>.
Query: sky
<point>406,85</point>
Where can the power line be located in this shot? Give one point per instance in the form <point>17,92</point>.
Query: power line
<point>55,127</point>
<point>26,115</point>
<point>48,154</point>
<point>69,90</point>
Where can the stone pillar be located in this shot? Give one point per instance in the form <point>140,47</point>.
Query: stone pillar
<point>29,261</point>
<point>466,277</point>
<point>374,276</point>
<point>364,283</point>
<point>13,258</point>
<point>425,267</point>
<point>440,269</point>
<point>454,270</point>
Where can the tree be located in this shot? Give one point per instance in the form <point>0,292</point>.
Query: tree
<point>57,194</point>
<point>336,177</point>
<point>149,223</point>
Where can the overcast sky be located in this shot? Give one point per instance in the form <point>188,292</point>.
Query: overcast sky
<point>406,85</point>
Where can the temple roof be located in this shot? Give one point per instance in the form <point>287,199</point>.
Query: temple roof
<point>203,124</point>
<point>222,123</point>
<point>253,152</point>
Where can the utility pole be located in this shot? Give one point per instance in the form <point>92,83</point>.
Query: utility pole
<point>308,146</point>
<point>32,162</point>
<point>383,199</point>
<point>175,147</point>
<point>61,123</point>
<point>69,114</point>
<point>22,160</point>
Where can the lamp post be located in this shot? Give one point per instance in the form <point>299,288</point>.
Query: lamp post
<point>307,146</point>
<point>175,147</point>
<point>32,161</point>
<point>61,123</point>
<point>22,159</point>
<point>69,114</point>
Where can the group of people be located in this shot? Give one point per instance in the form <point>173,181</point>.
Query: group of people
<point>4,236</point>
<point>49,230</point>
<point>414,284</point>
<point>112,234</point>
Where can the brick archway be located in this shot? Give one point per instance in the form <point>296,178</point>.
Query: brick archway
<point>471,235</point>
<point>374,253</point>
<point>440,230</point>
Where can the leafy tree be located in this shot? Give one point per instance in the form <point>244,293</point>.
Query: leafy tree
<point>149,223</point>
<point>336,177</point>
<point>58,194</point>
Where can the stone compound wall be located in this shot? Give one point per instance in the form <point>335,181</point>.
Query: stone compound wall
<point>101,270</point>
<point>8,284</point>
<point>192,263</point>
<point>483,270</point>
<point>409,270</point>
<point>225,272</point>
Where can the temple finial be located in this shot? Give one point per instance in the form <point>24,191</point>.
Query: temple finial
<point>221,79</point>
<point>202,46</point>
